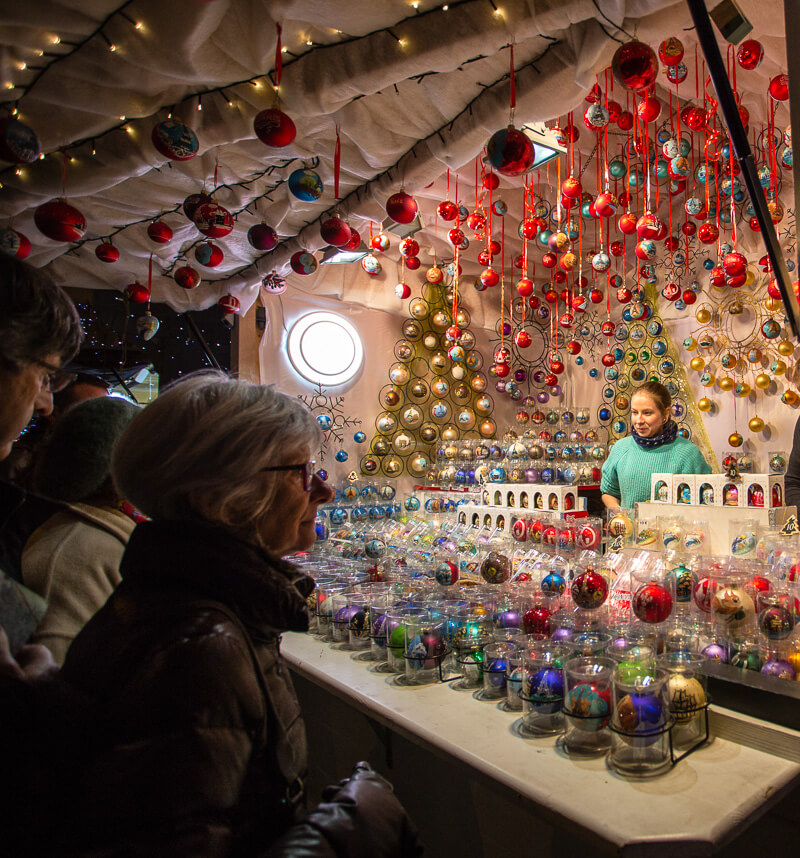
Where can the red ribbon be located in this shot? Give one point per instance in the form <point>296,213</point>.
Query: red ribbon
<point>278,58</point>
<point>513,81</point>
<point>337,160</point>
<point>149,280</point>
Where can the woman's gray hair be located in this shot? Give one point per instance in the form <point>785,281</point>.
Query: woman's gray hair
<point>197,451</point>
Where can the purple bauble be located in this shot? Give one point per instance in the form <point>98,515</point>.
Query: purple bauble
<point>542,396</point>
<point>779,668</point>
<point>506,329</point>
<point>344,615</point>
<point>520,375</point>
<point>561,634</point>
<point>500,386</point>
<point>555,390</point>
<point>532,475</point>
<point>507,620</point>
<point>716,652</point>
<point>538,376</point>
<point>619,642</point>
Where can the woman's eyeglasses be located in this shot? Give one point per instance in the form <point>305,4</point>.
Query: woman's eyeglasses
<point>56,379</point>
<point>307,469</point>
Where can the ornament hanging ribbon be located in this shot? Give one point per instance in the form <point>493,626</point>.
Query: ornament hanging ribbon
<point>513,80</point>
<point>149,281</point>
<point>337,161</point>
<point>713,134</point>
<point>278,57</point>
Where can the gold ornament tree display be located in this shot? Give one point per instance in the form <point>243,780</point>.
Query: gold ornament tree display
<point>436,391</point>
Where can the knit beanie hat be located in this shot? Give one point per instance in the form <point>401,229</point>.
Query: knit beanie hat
<point>76,460</point>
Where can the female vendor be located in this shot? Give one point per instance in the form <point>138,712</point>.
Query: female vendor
<point>653,447</point>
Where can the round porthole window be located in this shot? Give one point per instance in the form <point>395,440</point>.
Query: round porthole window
<point>325,348</point>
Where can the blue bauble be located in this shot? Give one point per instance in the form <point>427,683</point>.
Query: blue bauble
<point>338,516</point>
<point>585,701</point>
<point>593,372</point>
<point>507,620</point>
<point>496,672</point>
<point>553,584</point>
<point>341,456</point>
<point>306,185</point>
<point>641,714</point>
<point>322,531</point>
<point>322,474</point>
<point>579,360</point>
<point>360,437</point>
<point>325,421</point>
<point>546,690</point>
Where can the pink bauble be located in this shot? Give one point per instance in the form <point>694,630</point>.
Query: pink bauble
<point>401,207</point>
<point>262,237</point>
<point>274,128</point>
<point>60,221</point>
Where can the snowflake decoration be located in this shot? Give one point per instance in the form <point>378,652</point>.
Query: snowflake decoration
<point>321,404</point>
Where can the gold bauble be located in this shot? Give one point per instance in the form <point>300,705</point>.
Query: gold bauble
<point>726,383</point>
<point>756,424</point>
<point>380,446</point>
<point>697,363</point>
<point>478,383</point>
<point>488,428</point>
<point>419,390</point>
<point>742,389</point>
<point>790,397</point>
<point>450,451</point>
<point>438,362</point>
<point>417,464</point>
<point>450,433</point>
<point>750,277</point>
<point>428,433</point>
<point>419,309</point>
<point>763,381</point>
<point>705,404</point>
<point>708,379</point>
<point>620,525</point>
<point>735,439</point>
<point>773,304</point>
<point>785,348</point>
<point>690,344</point>
<point>776,211</point>
<point>440,320</point>
<point>736,307</point>
<point>778,367</point>
<point>703,315</point>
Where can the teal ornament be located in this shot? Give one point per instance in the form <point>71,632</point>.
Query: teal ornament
<point>411,504</point>
<point>375,548</point>
<point>325,422</point>
<point>341,456</point>
<point>589,707</point>
<point>617,168</point>
<point>359,437</point>
<point>306,185</point>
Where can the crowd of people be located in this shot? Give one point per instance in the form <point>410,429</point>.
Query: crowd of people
<point>152,714</point>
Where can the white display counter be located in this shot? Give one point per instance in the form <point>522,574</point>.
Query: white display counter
<point>476,787</point>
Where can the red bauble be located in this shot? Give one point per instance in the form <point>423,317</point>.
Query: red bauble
<point>494,247</point>
<point>596,296</point>
<point>476,221</point>
<point>379,242</point>
<point>175,140</point>
<point>303,262</point>
<point>550,379</point>
<point>624,295</point>
<point>571,188</point>
<point>694,118</point>
<point>137,293</point>
<point>159,232</point>
<point>230,306</point>
<point>689,228</point>
<point>717,276</point>
<point>209,254</point>
<point>608,360</point>
<point>689,297</point>
<point>402,290</point>
<point>525,287</point>
<point>489,277</point>
<point>573,347</point>
<point>18,143</point>
<point>594,95</point>
<point>627,223</point>
<point>616,248</point>
<point>652,603</point>
<point>614,109</point>
<point>60,221</point>
<point>579,303</point>
<point>648,226</point>
<point>501,370</point>
<point>447,210</point>
<point>649,109</point>
<point>635,66</point>
<point>274,128</point>
<point>734,281</point>
<point>409,247</point>
<point>608,328</point>
<point>779,87</point>
<point>106,252</point>
<point>490,182</point>
<point>187,277</point>
<point>355,241</point>
<point>734,263</point>
<point>589,589</point>
<point>455,236</point>
<point>708,233</point>
<point>523,339</point>
<point>193,202</point>
<point>549,260</point>
<point>671,291</point>
<point>670,51</point>
<point>536,621</point>
<point>625,120</point>
<point>556,366</point>
<point>560,277</point>
<point>213,220</point>
<point>401,207</point>
<point>672,243</point>
<point>606,204</point>
<point>754,224</point>
<point>510,151</point>
<point>551,296</point>
<point>262,237</point>
<point>412,263</point>
<point>484,257</point>
<point>750,54</point>
<point>335,231</point>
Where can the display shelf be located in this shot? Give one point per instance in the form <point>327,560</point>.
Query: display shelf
<point>573,806</point>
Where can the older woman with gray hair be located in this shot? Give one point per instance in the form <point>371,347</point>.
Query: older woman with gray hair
<point>200,748</point>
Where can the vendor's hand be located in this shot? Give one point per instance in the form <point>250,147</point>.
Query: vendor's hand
<point>32,662</point>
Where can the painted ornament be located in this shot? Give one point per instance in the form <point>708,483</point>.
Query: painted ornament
<point>510,152</point>
<point>652,603</point>
<point>18,143</point>
<point>60,221</point>
<point>213,220</point>
<point>175,140</point>
<point>274,128</point>
<point>303,262</point>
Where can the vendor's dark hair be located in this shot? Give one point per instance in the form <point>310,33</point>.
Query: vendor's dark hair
<point>657,392</point>
<point>37,318</point>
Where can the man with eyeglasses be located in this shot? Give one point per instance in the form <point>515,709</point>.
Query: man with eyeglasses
<point>40,331</point>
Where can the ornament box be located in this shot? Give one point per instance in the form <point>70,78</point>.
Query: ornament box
<point>533,496</point>
<point>761,490</point>
<point>502,518</point>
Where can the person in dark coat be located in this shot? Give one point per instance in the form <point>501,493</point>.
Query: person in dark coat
<point>198,747</point>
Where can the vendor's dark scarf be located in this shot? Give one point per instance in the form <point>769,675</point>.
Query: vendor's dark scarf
<point>666,436</point>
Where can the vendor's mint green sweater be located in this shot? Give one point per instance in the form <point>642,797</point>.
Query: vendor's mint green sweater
<point>627,471</point>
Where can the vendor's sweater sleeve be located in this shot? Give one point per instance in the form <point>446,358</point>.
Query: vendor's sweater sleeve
<point>609,481</point>
<point>792,478</point>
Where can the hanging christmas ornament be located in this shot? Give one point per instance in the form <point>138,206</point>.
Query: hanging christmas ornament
<point>175,140</point>
<point>402,207</point>
<point>230,308</point>
<point>595,117</point>
<point>60,221</point>
<point>303,262</point>
<point>209,254</point>
<point>379,242</point>
<point>14,243</point>
<point>510,152</point>
<point>335,231</point>
<point>649,109</point>
<point>262,237</point>
<point>159,232</point>
<point>402,290</point>
<point>213,220</point>
<point>779,87</point>
<point>371,265</point>
<point>193,202</point>
<point>147,326</point>
<point>274,128</point>
<point>448,210</point>
<point>606,204</point>
<point>187,277</point>
<point>137,293</point>
<point>273,284</point>
<point>750,54</point>
<point>306,185</point>
<point>409,247</point>
<point>670,51</point>
<point>18,143</point>
<point>106,252</point>
<point>635,66</point>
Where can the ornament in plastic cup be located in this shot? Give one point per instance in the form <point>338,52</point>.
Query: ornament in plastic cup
<point>426,647</point>
<point>733,610</point>
<point>495,663</point>
<point>587,704</point>
<point>640,724</point>
<point>653,594</point>
<point>330,599</point>
<point>395,629</point>
<point>743,537</point>
<point>542,689</point>
<point>587,643</point>
<point>687,696</point>
<point>358,621</point>
<point>647,533</point>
